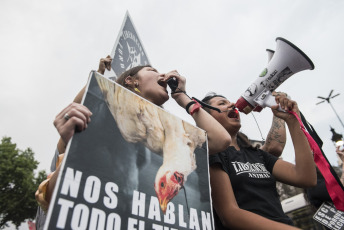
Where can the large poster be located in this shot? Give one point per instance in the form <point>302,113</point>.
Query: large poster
<point>128,50</point>
<point>136,166</point>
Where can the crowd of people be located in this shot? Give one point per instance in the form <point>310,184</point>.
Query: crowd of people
<point>241,200</point>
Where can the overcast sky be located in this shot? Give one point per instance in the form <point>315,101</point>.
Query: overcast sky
<point>47,49</point>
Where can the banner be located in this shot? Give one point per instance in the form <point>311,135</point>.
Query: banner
<point>136,166</point>
<point>329,216</point>
<point>128,50</point>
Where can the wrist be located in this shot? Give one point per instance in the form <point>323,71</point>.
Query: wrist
<point>195,106</point>
<point>292,121</point>
<point>187,107</point>
<point>181,98</point>
<point>101,71</point>
<point>278,119</point>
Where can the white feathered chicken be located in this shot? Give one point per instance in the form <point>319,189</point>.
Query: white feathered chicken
<point>141,121</point>
<point>181,139</point>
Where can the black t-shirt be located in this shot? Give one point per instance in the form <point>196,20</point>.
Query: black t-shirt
<point>318,194</point>
<point>254,186</point>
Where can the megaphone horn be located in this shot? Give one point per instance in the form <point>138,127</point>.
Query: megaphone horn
<point>270,54</point>
<point>286,61</point>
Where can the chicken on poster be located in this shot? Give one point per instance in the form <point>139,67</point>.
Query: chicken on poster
<point>135,167</point>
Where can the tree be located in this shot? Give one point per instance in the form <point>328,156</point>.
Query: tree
<point>18,183</point>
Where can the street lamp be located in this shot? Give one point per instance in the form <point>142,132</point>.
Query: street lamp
<point>328,101</point>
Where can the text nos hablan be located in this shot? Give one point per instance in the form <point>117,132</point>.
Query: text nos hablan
<point>86,217</point>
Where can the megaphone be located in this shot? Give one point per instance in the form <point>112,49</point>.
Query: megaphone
<point>286,61</point>
<point>270,53</point>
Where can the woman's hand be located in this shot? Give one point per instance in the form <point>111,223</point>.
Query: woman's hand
<point>340,153</point>
<point>104,63</point>
<point>280,94</point>
<point>74,117</point>
<point>181,80</point>
<point>287,105</point>
<point>179,94</point>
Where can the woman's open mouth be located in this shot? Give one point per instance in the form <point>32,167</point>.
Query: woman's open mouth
<point>233,113</point>
<point>162,83</point>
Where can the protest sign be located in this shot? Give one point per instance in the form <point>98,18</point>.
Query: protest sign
<point>329,216</point>
<point>136,166</point>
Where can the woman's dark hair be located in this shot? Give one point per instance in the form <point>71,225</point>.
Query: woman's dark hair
<point>130,72</point>
<point>208,97</point>
<point>242,139</point>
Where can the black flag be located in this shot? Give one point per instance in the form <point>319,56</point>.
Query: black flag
<point>128,50</point>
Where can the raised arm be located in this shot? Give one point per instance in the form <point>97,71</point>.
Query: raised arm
<point>74,117</point>
<point>226,207</point>
<point>104,63</point>
<point>303,173</point>
<point>276,139</point>
<point>218,137</point>
<point>62,144</point>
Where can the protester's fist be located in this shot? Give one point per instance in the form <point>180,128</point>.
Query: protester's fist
<point>287,105</point>
<point>104,63</point>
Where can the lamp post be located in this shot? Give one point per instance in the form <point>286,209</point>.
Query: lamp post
<point>328,101</point>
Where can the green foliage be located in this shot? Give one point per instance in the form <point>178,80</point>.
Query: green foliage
<point>18,183</point>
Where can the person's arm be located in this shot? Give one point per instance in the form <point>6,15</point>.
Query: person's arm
<point>61,145</point>
<point>276,139</point>
<point>303,173</point>
<point>226,207</point>
<point>341,156</point>
<point>104,63</point>
<point>77,119</point>
<point>74,117</point>
<point>218,138</point>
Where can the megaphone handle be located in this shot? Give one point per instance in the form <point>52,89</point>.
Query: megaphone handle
<point>270,101</point>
